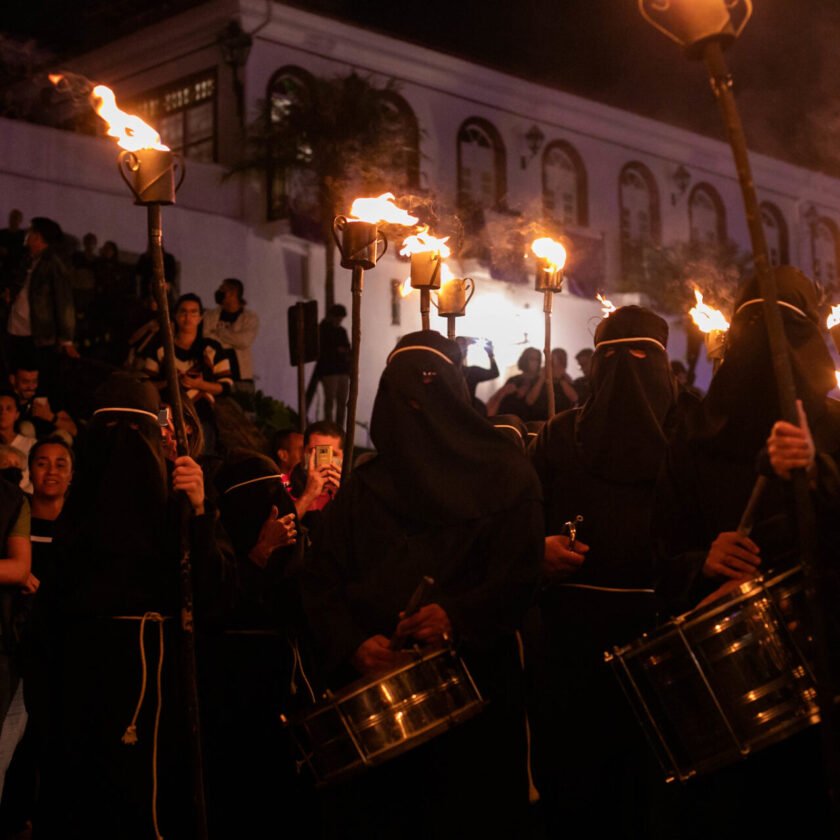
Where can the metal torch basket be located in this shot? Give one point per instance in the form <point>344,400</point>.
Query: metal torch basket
<point>378,718</point>
<point>715,684</point>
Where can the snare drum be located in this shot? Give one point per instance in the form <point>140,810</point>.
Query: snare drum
<point>377,718</point>
<point>717,683</point>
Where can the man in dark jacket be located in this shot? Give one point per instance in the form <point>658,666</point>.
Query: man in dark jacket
<point>42,317</point>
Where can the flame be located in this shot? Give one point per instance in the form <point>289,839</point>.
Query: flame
<point>550,251</point>
<point>405,288</point>
<point>837,377</point>
<point>706,318</point>
<point>834,317</point>
<point>55,78</point>
<point>131,132</point>
<point>422,241</point>
<point>381,209</point>
<point>446,275</point>
<point>607,306</point>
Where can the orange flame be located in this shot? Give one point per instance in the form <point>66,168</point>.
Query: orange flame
<point>131,132</point>
<point>837,377</point>
<point>55,78</point>
<point>834,317</point>
<point>707,319</point>
<point>405,288</point>
<point>550,251</point>
<point>607,306</point>
<point>381,209</point>
<point>422,242</point>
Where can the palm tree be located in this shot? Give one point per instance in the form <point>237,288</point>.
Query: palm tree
<point>324,141</point>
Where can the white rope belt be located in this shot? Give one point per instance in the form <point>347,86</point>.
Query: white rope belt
<point>130,735</point>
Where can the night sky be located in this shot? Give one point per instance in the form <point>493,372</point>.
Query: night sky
<point>786,64</point>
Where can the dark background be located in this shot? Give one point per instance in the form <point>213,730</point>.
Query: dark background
<point>786,64</point>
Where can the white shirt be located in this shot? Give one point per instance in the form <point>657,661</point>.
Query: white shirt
<point>238,335</point>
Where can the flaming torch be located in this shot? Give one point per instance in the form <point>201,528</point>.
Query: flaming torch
<point>607,306</point>
<point>427,261</point>
<point>359,241</point>
<point>453,297</point>
<point>153,173</point>
<point>833,324</point>
<point>704,28</point>
<point>714,327</point>
<point>551,257</point>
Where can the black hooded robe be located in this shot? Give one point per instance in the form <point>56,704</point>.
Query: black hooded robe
<point>446,497</point>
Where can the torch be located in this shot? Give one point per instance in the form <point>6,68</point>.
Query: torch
<point>714,327</point>
<point>427,261</point>
<point>704,27</point>
<point>607,306</point>
<point>551,257</point>
<point>833,324</point>
<point>151,171</point>
<point>452,299</point>
<point>359,240</point>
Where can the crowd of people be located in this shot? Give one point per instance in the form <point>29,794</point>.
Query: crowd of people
<point>546,541</point>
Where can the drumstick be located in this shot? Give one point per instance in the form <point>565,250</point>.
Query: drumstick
<point>748,517</point>
<point>414,603</point>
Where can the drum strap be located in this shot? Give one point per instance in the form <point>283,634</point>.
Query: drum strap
<point>533,793</point>
<point>130,734</point>
<point>297,666</point>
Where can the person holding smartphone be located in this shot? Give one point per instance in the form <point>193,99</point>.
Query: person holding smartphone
<point>314,482</point>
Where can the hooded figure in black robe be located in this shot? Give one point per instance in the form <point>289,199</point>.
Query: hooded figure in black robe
<point>447,497</point>
<point>598,462</point>
<point>117,561</point>
<point>710,470</point>
<point>250,663</point>
<point>713,463</point>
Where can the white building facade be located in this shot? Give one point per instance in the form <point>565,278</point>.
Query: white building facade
<point>612,181</point>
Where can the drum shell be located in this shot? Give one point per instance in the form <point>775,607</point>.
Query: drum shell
<point>374,720</point>
<point>713,685</point>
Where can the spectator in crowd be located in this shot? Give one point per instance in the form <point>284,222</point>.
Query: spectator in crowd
<point>15,567</point>
<point>83,264</point>
<point>565,396</point>
<point>235,328</point>
<point>332,369</point>
<point>314,483</point>
<point>9,434</point>
<point>510,398</point>
<point>474,374</point>
<point>143,273</point>
<point>681,375</point>
<point>35,407</point>
<point>42,317</point>
<point>288,449</point>
<point>203,366</point>
<point>581,384</point>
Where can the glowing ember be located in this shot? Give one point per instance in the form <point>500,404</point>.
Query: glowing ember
<point>707,319</point>
<point>55,78</point>
<point>607,306</point>
<point>422,242</point>
<point>131,132</point>
<point>834,317</point>
<point>550,251</point>
<point>381,209</point>
<point>405,288</point>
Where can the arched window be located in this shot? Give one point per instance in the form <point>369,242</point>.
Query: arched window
<point>639,203</point>
<point>824,243</point>
<point>404,138</point>
<point>776,233</point>
<point>289,91</point>
<point>481,165</point>
<point>706,216</point>
<point>564,185</point>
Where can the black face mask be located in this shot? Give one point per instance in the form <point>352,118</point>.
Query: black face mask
<point>219,296</point>
<point>14,475</point>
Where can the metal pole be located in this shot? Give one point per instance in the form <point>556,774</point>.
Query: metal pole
<point>358,282</point>
<point>425,307</point>
<point>815,579</point>
<point>189,670</point>
<point>549,367</point>
<point>450,327</point>
<point>301,350</point>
